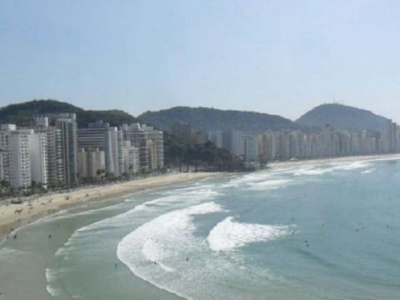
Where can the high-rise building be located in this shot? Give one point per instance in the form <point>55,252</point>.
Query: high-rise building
<point>19,158</point>
<point>91,163</point>
<point>250,147</point>
<point>55,166</point>
<point>67,126</point>
<point>130,158</point>
<point>150,143</point>
<point>23,157</point>
<point>39,158</point>
<point>108,139</point>
<point>232,140</point>
<point>66,123</point>
<point>5,131</point>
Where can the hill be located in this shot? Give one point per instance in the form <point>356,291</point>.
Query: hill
<point>207,119</point>
<point>22,113</point>
<point>343,117</point>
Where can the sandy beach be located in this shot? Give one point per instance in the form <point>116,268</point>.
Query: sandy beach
<point>13,216</point>
<point>32,269</point>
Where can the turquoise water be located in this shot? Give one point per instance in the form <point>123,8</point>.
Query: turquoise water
<point>322,231</point>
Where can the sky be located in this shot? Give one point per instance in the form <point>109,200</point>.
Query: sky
<point>276,57</point>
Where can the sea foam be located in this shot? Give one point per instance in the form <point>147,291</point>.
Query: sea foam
<point>160,237</point>
<point>228,234</point>
<point>51,277</point>
<point>161,243</point>
<point>269,184</point>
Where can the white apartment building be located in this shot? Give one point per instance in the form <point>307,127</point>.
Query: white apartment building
<point>91,163</point>
<point>19,158</point>
<point>131,158</point>
<point>100,135</point>
<point>150,144</point>
<point>38,156</point>
<point>5,130</point>
<point>55,166</point>
<point>250,147</point>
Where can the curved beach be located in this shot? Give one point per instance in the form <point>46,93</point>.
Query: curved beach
<point>13,216</point>
<point>28,278</point>
<point>168,242</point>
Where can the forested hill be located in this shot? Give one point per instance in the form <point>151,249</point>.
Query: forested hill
<point>22,113</point>
<point>206,119</point>
<point>343,117</point>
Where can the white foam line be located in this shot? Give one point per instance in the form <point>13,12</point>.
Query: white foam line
<point>6,252</point>
<point>312,171</point>
<point>50,278</point>
<point>352,166</point>
<point>269,184</point>
<point>228,235</point>
<point>160,239</point>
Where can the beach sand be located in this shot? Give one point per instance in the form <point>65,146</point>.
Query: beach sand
<point>13,216</point>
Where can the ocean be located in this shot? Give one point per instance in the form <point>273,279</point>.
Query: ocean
<point>312,231</point>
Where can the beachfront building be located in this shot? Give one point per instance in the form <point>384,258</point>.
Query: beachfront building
<point>92,163</point>
<point>67,124</point>
<point>250,147</point>
<point>266,146</point>
<point>5,131</point>
<point>288,144</point>
<point>39,158</point>
<point>27,158</point>
<point>102,136</point>
<point>156,148</point>
<point>130,158</point>
<point>19,158</point>
<point>55,166</point>
<point>391,138</point>
<point>150,143</point>
<point>232,140</point>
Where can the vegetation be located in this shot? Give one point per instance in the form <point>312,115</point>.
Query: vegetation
<point>204,157</point>
<point>343,117</point>
<point>22,113</point>
<point>206,119</point>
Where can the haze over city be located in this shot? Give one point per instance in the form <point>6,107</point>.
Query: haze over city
<point>268,56</point>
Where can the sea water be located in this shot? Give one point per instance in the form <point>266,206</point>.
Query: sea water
<point>314,231</point>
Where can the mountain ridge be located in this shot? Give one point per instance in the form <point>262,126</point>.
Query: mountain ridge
<point>22,113</point>
<point>340,117</point>
<point>206,119</point>
<point>343,117</point>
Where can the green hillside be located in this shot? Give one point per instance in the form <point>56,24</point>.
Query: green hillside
<point>22,113</point>
<point>207,119</point>
<point>343,117</point>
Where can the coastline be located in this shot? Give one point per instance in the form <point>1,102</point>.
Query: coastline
<point>34,287</point>
<point>13,216</point>
<point>287,164</point>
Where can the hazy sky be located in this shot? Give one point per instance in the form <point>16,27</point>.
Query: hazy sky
<point>277,57</point>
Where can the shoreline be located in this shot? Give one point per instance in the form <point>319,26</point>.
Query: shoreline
<point>14,216</point>
<point>286,164</point>
<point>36,287</point>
